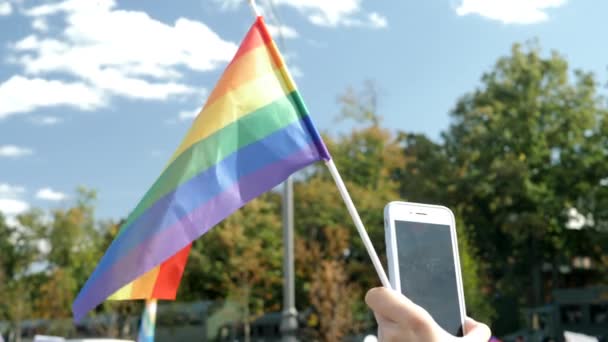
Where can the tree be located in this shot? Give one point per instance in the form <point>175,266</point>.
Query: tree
<point>475,286</point>
<point>73,240</point>
<point>240,259</point>
<point>330,291</point>
<point>45,258</point>
<point>19,251</point>
<point>361,105</point>
<point>428,176</point>
<point>328,245</point>
<point>526,147</point>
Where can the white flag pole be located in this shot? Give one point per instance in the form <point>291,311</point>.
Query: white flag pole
<point>254,8</point>
<point>357,220</point>
<point>349,204</point>
<point>148,322</point>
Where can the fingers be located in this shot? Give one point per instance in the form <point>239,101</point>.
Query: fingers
<point>388,330</point>
<point>399,319</point>
<point>476,331</point>
<point>387,303</point>
<point>394,306</point>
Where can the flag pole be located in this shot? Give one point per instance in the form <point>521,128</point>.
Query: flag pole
<point>289,316</point>
<point>254,8</point>
<point>349,204</point>
<point>148,322</point>
<point>357,220</point>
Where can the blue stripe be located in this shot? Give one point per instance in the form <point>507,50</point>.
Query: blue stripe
<point>198,190</point>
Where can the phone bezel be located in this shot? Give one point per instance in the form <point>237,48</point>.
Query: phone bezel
<point>423,213</point>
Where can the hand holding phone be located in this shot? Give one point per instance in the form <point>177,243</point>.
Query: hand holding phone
<point>423,261</point>
<point>400,319</point>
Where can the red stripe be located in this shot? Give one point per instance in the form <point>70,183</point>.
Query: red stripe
<point>240,71</point>
<point>253,39</point>
<point>170,275</point>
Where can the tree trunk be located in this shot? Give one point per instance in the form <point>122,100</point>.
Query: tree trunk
<point>18,331</point>
<point>246,324</point>
<point>555,274</point>
<point>536,263</point>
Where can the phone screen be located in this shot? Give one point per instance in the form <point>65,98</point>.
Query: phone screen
<point>427,271</point>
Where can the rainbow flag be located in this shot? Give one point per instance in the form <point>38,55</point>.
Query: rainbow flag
<point>253,132</point>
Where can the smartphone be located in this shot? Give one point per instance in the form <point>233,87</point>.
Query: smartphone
<point>423,261</point>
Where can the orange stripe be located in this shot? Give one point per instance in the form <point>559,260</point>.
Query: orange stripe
<point>143,286</point>
<point>245,67</point>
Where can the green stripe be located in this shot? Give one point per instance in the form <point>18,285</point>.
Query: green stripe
<point>213,149</point>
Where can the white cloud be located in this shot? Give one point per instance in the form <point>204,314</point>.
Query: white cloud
<point>510,11</point>
<point>290,59</point>
<point>5,8</point>
<point>234,4</point>
<point>111,52</point>
<point>334,13</point>
<point>296,72</point>
<point>126,41</point>
<point>16,95</point>
<point>11,204</point>
<point>286,31</point>
<point>377,20</point>
<point>40,24</point>
<point>328,13</point>
<point>12,207</point>
<point>323,12</point>
<point>45,120</point>
<point>49,194</point>
<point>188,115</point>
<point>12,151</point>
<point>11,191</point>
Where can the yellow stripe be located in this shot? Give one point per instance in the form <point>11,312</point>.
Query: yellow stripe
<point>234,105</point>
<point>123,293</point>
<point>139,288</point>
<point>247,67</point>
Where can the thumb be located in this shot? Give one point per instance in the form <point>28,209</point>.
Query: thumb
<point>395,306</point>
<point>476,331</point>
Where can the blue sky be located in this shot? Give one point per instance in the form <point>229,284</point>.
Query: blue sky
<point>99,92</point>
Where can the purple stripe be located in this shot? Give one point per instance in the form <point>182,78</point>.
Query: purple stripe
<point>166,243</point>
<point>205,185</point>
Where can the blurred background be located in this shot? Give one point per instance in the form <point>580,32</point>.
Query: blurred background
<point>495,109</point>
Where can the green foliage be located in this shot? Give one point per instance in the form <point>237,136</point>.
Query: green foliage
<point>240,259</point>
<point>428,176</point>
<point>523,149</point>
<point>475,291</point>
<point>360,105</point>
<point>530,144</point>
<point>18,252</point>
<point>45,259</point>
